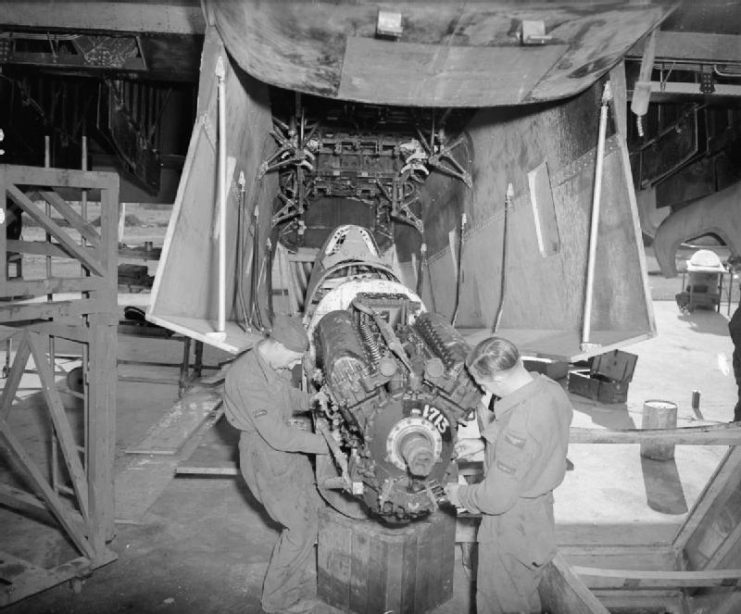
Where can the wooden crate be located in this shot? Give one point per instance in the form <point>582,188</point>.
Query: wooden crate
<point>365,567</point>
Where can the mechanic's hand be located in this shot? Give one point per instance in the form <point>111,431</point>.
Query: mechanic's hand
<point>319,398</point>
<point>466,448</point>
<point>451,492</point>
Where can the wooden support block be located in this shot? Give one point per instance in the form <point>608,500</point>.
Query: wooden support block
<point>657,415</point>
<point>365,567</point>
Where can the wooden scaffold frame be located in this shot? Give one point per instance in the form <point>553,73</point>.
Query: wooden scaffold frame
<point>79,492</point>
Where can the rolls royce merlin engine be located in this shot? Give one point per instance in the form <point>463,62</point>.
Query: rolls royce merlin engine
<point>395,388</point>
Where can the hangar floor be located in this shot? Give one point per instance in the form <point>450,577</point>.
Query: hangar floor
<point>203,544</point>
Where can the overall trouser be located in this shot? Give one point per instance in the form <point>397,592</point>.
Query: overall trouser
<point>513,550</point>
<point>284,484</point>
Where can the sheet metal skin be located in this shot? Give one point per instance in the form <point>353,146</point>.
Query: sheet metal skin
<point>449,54</point>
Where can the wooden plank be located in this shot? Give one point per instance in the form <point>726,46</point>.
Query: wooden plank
<point>79,223</point>
<point>652,602</point>
<point>334,560</point>
<point>12,567</point>
<point>15,375</point>
<point>444,527</point>
<point>635,557</point>
<point>27,503</point>
<point>715,435</point>
<point>35,579</point>
<point>723,479</point>
<point>376,587</point>
<point>21,501</point>
<point>52,285</point>
<point>101,435</point>
<point>360,552</point>
<point>21,312</point>
<point>394,571</point>
<point>60,177</point>
<point>75,250</point>
<point>59,419</point>
<point>79,334</point>
<point>65,516</point>
<point>631,579</point>
<point>109,237</point>
<point>562,592</point>
<point>37,248</point>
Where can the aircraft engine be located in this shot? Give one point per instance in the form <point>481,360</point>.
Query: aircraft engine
<point>396,387</point>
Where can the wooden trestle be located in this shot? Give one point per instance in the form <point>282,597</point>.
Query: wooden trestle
<point>78,490</point>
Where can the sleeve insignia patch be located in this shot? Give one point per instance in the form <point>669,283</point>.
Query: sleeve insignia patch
<point>505,468</point>
<point>514,440</point>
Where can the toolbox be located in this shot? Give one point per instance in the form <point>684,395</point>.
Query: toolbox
<point>607,378</point>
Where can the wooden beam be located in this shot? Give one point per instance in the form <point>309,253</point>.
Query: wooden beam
<point>75,250</point>
<point>150,17</point>
<point>79,223</point>
<point>59,177</point>
<point>79,334</point>
<point>21,312</point>
<point>26,503</point>
<point>35,579</point>
<point>101,430</point>
<point>632,579</point>
<point>727,471</point>
<point>720,435</point>
<point>53,285</point>
<point>15,375</point>
<point>37,248</point>
<point>60,510</point>
<point>62,428</point>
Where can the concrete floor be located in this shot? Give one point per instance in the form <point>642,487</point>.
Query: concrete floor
<point>203,545</point>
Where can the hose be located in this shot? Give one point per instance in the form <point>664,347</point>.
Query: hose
<point>459,272</point>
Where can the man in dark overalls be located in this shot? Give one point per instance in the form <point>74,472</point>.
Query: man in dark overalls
<point>259,400</point>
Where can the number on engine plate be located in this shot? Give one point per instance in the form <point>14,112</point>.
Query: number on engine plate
<point>434,415</point>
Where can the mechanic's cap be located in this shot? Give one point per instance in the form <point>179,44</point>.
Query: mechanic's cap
<point>290,332</point>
